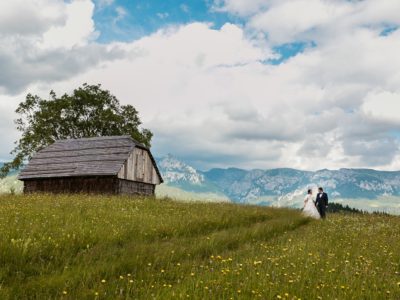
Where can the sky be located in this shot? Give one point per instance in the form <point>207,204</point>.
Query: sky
<point>307,84</point>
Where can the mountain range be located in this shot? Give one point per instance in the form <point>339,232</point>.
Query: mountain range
<point>362,188</point>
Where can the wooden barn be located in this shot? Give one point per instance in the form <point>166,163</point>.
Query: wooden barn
<point>110,165</point>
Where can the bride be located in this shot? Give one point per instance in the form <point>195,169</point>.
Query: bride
<point>309,208</point>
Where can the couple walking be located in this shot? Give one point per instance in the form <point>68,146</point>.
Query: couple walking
<point>315,209</point>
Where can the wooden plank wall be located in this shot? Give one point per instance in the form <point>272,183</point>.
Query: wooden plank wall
<point>139,167</point>
<point>88,185</point>
<point>135,188</point>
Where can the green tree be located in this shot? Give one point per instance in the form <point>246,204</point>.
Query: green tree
<point>89,111</point>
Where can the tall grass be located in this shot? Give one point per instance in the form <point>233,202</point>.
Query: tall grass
<point>91,247</point>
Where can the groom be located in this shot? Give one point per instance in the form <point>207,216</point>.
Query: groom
<point>321,202</point>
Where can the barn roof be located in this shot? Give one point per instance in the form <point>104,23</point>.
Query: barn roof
<point>97,156</point>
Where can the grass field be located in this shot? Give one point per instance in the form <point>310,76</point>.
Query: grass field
<point>90,247</point>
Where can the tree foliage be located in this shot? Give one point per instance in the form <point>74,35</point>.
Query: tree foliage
<point>340,208</point>
<point>89,111</point>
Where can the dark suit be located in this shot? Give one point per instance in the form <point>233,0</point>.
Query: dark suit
<point>321,203</point>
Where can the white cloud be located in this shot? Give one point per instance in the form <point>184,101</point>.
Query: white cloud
<point>285,21</point>
<point>177,65</point>
<point>291,20</point>
<point>209,96</point>
<point>163,15</point>
<point>52,43</point>
<point>19,17</point>
<point>7,132</point>
<point>77,30</point>
<point>240,7</point>
<point>121,13</point>
<point>104,3</point>
<point>383,106</point>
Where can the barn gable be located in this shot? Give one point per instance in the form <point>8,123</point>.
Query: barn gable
<point>140,166</point>
<point>98,156</point>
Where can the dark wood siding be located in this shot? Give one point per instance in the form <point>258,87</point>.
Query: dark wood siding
<point>88,185</point>
<point>99,185</point>
<point>136,188</point>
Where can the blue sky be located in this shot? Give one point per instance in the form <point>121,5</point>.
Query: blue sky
<point>309,84</point>
<point>127,20</point>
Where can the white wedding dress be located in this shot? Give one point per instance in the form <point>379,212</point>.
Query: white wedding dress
<point>309,208</point>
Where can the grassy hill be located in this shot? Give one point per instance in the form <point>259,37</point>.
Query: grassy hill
<point>90,247</point>
<point>166,191</point>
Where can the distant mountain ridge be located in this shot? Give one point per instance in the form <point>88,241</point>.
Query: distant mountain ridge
<point>177,171</point>
<point>346,183</point>
<point>282,187</point>
<point>364,189</point>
